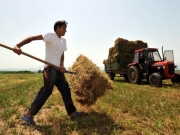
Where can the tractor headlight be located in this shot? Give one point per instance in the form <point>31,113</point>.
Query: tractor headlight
<point>175,66</point>
<point>159,66</point>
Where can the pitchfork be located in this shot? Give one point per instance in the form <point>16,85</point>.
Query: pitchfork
<point>28,55</point>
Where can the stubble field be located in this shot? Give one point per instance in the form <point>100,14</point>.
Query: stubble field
<point>128,109</point>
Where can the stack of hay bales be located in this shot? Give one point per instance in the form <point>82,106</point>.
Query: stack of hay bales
<point>123,50</point>
<point>90,82</point>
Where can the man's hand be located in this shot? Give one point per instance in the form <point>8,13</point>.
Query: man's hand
<point>62,69</point>
<point>17,50</point>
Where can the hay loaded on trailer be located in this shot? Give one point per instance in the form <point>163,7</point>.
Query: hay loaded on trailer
<point>135,62</point>
<point>120,55</point>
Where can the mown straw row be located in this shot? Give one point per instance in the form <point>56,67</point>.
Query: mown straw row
<point>90,82</point>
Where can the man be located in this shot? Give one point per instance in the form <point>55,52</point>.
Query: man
<point>55,47</point>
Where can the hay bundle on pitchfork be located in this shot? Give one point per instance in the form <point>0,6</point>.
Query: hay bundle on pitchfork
<point>90,82</point>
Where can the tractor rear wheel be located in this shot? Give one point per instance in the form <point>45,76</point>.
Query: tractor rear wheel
<point>134,75</point>
<point>155,80</point>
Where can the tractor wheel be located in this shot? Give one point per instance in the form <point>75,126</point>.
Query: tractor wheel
<point>176,79</point>
<point>125,77</point>
<point>111,75</point>
<point>134,75</point>
<point>155,80</point>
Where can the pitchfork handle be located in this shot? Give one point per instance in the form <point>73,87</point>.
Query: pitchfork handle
<point>26,54</point>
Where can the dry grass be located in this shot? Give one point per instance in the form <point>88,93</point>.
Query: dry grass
<point>127,110</point>
<point>90,82</point>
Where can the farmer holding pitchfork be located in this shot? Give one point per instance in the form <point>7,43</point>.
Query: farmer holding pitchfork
<point>55,47</point>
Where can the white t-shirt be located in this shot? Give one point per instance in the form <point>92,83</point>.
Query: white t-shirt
<point>55,47</point>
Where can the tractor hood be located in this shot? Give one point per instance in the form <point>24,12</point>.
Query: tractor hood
<point>162,63</point>
<point>168,68</point>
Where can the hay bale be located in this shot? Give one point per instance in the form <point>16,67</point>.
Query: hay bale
<point>121,50</point>
<point>90,82</point>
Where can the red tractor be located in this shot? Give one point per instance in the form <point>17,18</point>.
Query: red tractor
<point>148,64</point>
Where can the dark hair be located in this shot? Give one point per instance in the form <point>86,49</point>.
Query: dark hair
<point>59,23</point>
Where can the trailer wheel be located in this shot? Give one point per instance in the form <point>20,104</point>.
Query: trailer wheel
<point>134,75</point>
<point>111,75</point>
<point>155,80</point>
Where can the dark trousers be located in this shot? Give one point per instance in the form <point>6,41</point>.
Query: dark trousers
<point>52,77</point>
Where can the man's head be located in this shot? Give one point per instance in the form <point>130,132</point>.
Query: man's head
<point>60,27</point>
<point>60,23</point>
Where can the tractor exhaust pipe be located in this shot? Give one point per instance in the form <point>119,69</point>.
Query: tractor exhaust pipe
<point>162,54</point>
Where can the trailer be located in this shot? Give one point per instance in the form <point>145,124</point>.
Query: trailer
<point>117,68</point>
<point>120,55</point>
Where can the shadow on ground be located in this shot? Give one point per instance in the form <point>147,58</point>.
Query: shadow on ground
<point>145,82</point>
<point>93,123</point>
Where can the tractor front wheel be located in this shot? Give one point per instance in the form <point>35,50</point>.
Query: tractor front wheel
<point>155,80</point>
<point>176,79</point>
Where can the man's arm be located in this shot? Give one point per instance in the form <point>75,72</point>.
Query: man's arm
<point>62,68</point>
<point>26,41</point>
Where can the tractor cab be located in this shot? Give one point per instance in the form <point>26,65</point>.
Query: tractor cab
<point>145,58</point>
<point>148,64</point>
<point>147,54</point>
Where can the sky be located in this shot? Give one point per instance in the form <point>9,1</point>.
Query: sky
<point>93,26</point>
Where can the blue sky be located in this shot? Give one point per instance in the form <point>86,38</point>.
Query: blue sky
<point>93,26</point>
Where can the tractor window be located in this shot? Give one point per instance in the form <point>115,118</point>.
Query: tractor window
<point>136,57</point>
<point>168,55</point>
<point>156,55</point>
<point>153,56</point>
<point>149,56</point>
